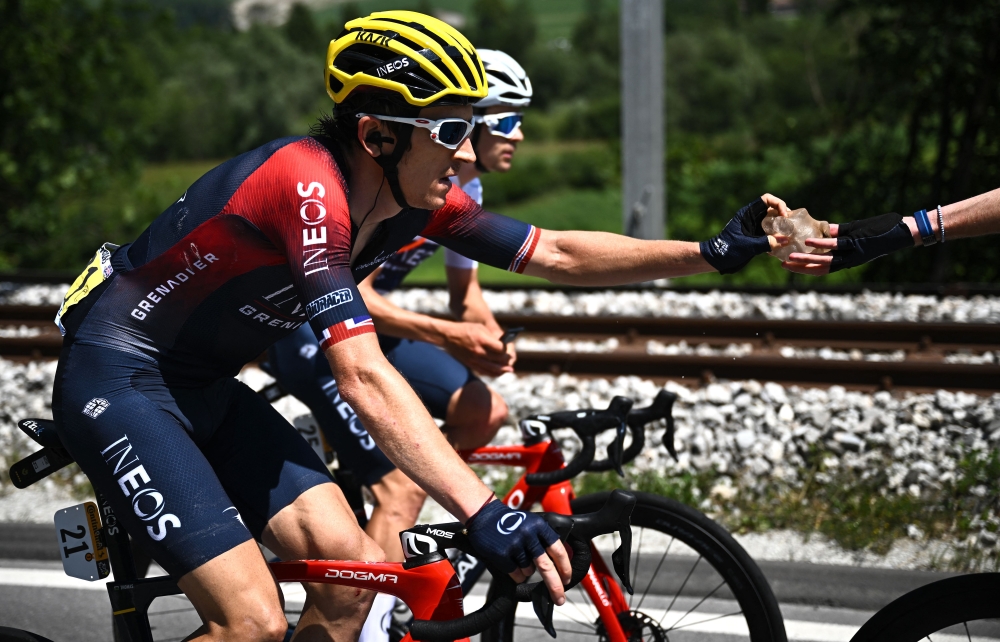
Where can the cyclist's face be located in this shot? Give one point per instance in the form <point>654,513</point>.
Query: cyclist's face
<point>496,152</point>
<point>425,169</point>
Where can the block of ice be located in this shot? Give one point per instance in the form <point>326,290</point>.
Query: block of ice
<point>798,226</point>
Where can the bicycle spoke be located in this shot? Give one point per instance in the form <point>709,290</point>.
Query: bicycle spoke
<point>638,565</point>
<point>529,626</point>
<point>700,602</point>
<point>171,611</point>
<point>584,614</point>
<point>711,619</point>
<point>680,590</point>
<point>967,634</point>
<point>653,576</point>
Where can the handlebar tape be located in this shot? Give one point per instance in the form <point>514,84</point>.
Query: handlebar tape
<point>466,626</point>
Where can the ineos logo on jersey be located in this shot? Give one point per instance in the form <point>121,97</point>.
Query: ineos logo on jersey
<point>361,575</point>
<point>510,522</point>
<point>312,212</point>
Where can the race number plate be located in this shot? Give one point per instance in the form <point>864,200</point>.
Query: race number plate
<point>78,534</point>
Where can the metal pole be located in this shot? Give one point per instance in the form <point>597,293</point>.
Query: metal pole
<point>643,138</point>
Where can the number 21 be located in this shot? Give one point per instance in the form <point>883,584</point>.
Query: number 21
<point>67,551</point>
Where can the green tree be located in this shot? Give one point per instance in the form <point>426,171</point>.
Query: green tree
<point>922,126</point>
<point>510,28</point>
<point>303,32</point>
<point>73,85</point>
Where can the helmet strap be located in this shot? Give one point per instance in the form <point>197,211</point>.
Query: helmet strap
<point>475,148</point>
<point>390,164</point>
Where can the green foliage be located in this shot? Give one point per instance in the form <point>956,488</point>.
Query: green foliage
<point>498,24</point>
<point>73,92</point>
<point>590,168</point>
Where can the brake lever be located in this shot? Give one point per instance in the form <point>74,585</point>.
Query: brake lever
<point>668,437</point>
<point>618,452</point>
<point>541,603</point>
<point>615,515</point>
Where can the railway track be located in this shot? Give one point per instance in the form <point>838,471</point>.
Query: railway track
<point>914,355</point>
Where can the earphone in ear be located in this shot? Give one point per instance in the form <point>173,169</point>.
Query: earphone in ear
<point>377,138</point>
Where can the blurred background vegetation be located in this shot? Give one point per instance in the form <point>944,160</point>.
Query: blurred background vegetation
<point>109,109</point>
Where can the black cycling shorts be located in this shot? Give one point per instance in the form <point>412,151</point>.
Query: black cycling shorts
<point>302,370</point>
<point>191,472</point>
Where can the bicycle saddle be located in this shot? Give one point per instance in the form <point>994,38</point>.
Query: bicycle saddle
<point>42,431</point>
<point>42,463</point>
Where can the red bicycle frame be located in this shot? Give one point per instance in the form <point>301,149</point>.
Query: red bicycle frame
<point>600,584</point>
<point>432,591</point>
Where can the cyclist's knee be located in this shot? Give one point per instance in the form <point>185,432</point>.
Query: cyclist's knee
<point>475,414</point>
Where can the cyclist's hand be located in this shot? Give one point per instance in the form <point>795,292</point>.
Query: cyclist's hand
<point>743,237</point>
<point>853,244</point>
<point>477,347</point>
<point>516,542</point>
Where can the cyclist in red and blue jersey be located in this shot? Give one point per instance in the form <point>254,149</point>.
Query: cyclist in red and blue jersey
<point>439,358</point>
<point>195,464</point>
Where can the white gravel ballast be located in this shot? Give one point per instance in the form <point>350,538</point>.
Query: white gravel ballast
<point>655,302</point>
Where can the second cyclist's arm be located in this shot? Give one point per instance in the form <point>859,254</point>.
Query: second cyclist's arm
<point>399,423</point>
<point>395,321</point>
<point>601,258</point>
<point>465,298</point>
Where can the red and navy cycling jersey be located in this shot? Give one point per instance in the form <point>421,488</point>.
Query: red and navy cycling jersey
<point>255,248</point>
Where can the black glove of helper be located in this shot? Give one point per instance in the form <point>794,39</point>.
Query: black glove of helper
<point>509,539</point>
<point>742,239</point>
<point>865,240</point>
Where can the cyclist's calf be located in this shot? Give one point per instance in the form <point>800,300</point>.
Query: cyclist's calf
<point>319,524</point>
<point>236,597</point>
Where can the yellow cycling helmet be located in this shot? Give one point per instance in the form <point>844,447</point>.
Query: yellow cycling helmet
<point>420,57</point>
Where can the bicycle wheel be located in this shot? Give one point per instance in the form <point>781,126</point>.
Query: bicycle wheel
<point>957,608</point>
<point>692,581</point>
<point>17,635</point>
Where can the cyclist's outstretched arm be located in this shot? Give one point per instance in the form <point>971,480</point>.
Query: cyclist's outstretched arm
<point>403,429</point>
<point>476,345</point>
<point>601,258</point>
<point>861,241</point>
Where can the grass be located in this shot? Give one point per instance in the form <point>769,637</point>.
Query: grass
<point>850,509</point>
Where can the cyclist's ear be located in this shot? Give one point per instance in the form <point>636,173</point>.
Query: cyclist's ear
<point>369,132</point>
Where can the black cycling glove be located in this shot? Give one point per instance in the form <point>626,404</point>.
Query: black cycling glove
<point>861,241</point>
<point>742,239</point>
<point>509,539</point>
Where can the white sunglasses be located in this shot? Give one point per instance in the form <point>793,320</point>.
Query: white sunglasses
<point>447,132</point>
<point>505,124</point>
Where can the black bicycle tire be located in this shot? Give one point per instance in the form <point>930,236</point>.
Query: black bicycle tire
<point>8,634</point>
<point>933,607</point>
<point>713,542</point>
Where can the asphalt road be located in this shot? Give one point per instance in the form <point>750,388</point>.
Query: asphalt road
<point>820,603</point>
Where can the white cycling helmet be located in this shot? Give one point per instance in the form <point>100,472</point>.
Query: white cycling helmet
<point>508,84</point>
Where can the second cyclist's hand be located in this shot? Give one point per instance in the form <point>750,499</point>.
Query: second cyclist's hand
<point>853,244</point>
<point>516,542</point>
<point>478,347</point>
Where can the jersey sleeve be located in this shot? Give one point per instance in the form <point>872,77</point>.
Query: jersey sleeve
<point>298,199</point>
<point>463,226</point>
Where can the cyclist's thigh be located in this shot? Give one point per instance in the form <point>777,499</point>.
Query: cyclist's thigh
<point>433,373</point>
<point>138,451</point>
<point>261,460</point>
